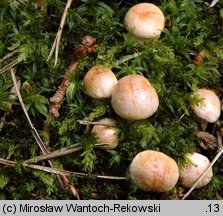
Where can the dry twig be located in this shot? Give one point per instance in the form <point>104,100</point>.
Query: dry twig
<point>58,171</point>
<point>9,66</point>
<point>87,46</point>
<point>56,43</point>
<point>9,55</point>
<point>60,152</point>
<point>56,153</point>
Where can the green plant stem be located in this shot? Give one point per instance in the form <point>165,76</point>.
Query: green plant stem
<point>127,58</point>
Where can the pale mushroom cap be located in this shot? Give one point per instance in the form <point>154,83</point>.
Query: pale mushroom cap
<point>154,171</point>
<point>106,134</point>
<point>209,108</point>
<point>145,20</point>
<point>190,173</point>
<point>134,98</point>
<point>99,82</point>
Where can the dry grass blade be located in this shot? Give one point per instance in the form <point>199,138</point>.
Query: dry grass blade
<point>60,152</point>
<point>55,154</point>
<point>60,172</point>
<point>56,43</point>
<point>206,171</point>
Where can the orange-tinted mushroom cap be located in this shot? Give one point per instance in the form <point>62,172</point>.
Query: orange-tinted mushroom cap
<point>154,171</point>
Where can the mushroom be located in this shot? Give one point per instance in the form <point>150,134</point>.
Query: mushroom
<point>99,82</point>
<point>106,133</point>
<point>209,108</point>
<point>145,20</point>
<point>134,98</point>
<point>154,171</point>
<point>190,173</point>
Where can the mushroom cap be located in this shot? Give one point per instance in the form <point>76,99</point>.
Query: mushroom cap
<point>209,108</point>
<point>146,21</point>
<point>134,98</point>
<point>154,171</point>
<point>99,82</point>
<point>106,134</point>
<point>191,173</point>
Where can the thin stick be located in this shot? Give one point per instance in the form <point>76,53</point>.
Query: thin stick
<point>56,43</point>
<point>9,66</point>
<point>9,55</point>
<point>60,172</point>
<point>54,154</point>
<point>60,152</point>
<point>33,130</point>
<point>202,176</point>
<point>62,179</point>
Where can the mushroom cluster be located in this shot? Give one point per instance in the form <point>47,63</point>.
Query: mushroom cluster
<point>134,98</point>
